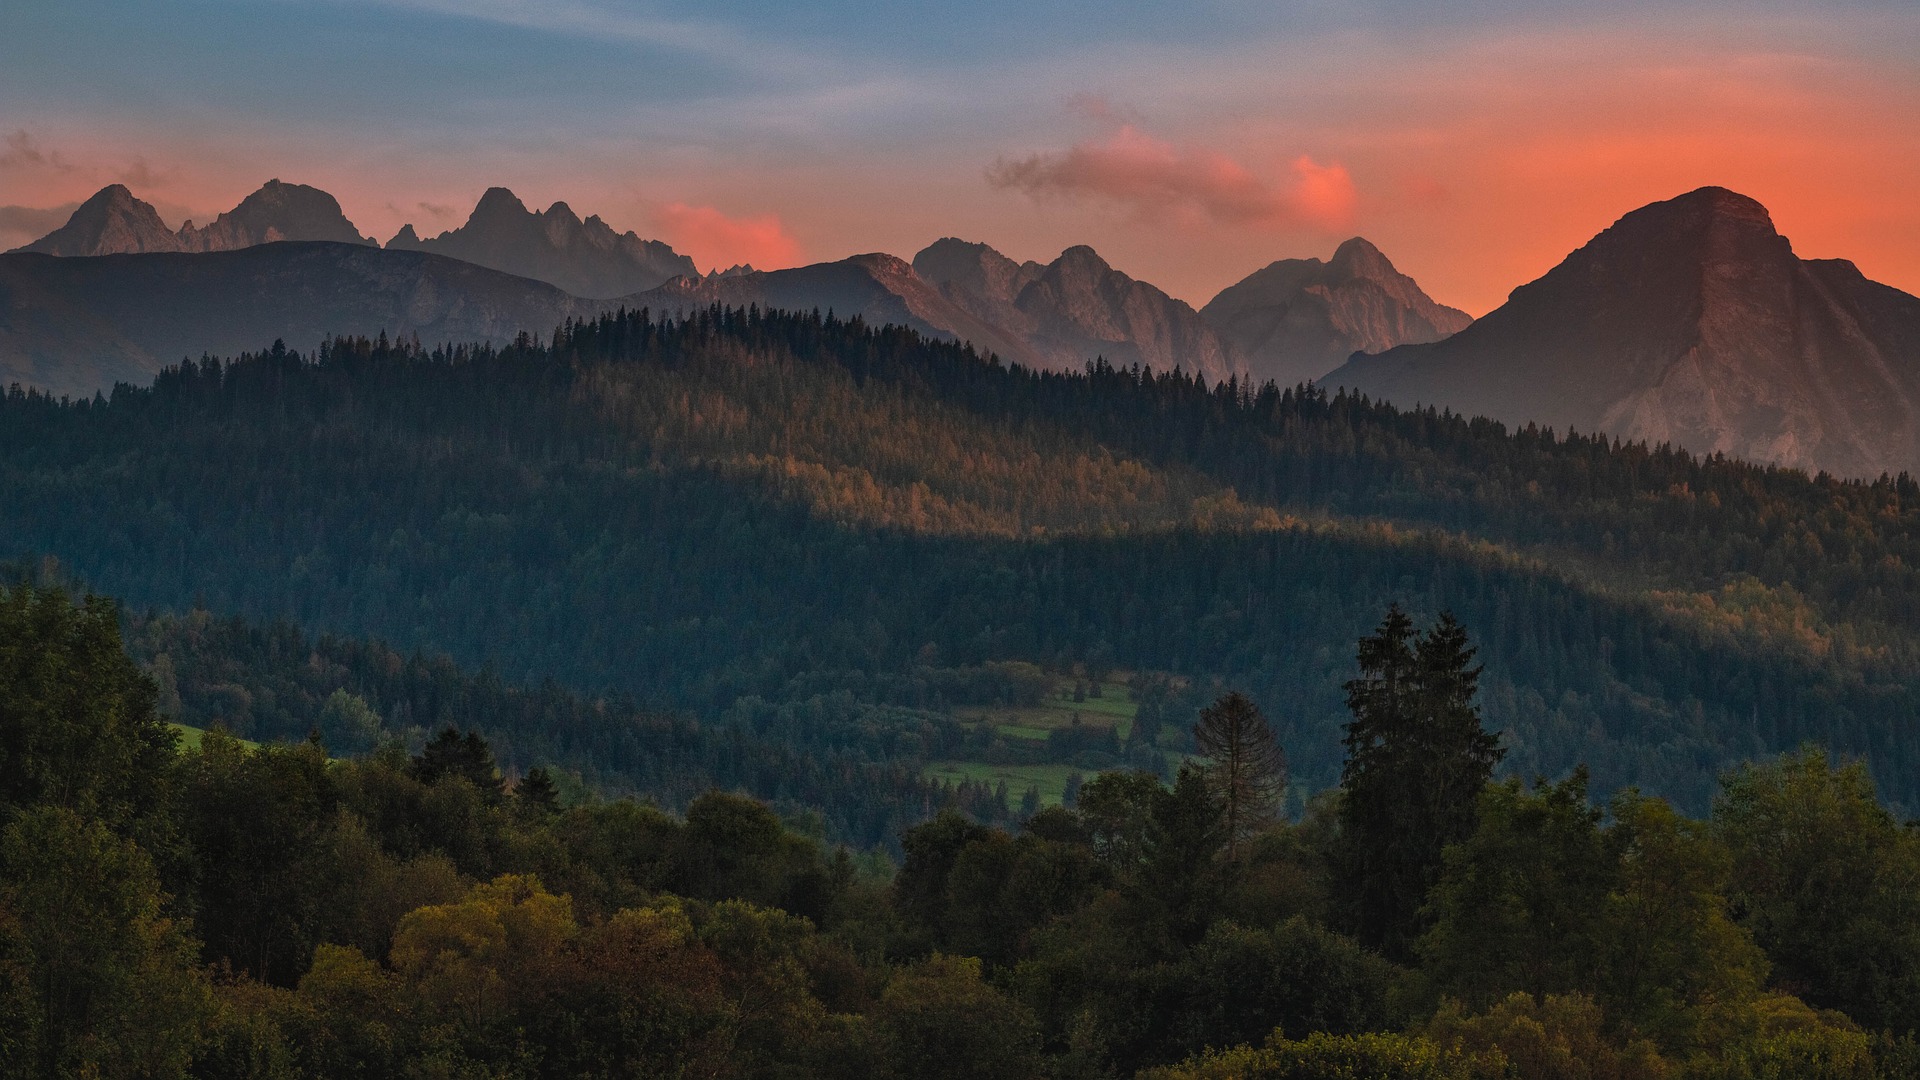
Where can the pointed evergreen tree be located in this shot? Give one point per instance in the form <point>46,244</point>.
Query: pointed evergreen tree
<point>1246,768</point>
<point>1417,758</point>
<point>536,791</point>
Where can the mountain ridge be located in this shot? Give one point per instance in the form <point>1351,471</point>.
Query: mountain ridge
<point>586,258</point>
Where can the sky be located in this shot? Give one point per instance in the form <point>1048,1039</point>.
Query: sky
<point>1190,143</point>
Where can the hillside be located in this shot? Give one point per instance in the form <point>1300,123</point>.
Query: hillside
<point>79,325</point>
<point>1689,322</point>
<point>778,519</point>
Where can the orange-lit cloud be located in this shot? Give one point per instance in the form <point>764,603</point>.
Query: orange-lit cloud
<point>717,241</point>
<point>1188,185</point>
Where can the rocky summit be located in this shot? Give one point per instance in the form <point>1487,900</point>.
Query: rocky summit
<point>1691,322</point>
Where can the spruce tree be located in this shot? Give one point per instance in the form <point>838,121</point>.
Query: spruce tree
<point>1246,768</point>
<point>1417,758</point>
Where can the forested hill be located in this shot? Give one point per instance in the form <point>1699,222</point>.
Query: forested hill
<point>773,519</point>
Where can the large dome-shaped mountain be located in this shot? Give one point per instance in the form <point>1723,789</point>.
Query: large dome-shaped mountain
<point>277,211</point>
<point>1692,322</point>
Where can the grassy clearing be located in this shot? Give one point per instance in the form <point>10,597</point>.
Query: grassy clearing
<point>1050,779</point>
<point>1114,708</point>
<point>190,737</point>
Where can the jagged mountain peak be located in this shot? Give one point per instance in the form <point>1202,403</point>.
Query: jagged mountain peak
<point>586,258</point>
<point>1358,257</point>
<point>112,221</point>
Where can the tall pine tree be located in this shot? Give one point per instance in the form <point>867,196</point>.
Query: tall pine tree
<point>1417,757</point>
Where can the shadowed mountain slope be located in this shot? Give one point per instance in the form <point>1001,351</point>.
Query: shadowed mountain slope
<point>74,326</point>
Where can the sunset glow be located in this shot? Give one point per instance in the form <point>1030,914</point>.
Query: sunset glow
<point>1474,148</point>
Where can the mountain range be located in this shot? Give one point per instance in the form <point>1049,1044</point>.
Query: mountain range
<point>1691,322</point>
<point>1054,316</point>
<point>114,222</point>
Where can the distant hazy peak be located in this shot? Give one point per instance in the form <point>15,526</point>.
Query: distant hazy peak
<point>586,258</point>
<point>406,239</point>
<point>1297,319</point>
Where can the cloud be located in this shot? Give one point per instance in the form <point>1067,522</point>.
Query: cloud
<point>435,210</point>
<point>25,224</point>
<point>23,151</point>
<point>141,175</point>
<point>1186,185</point>
<point>717,241</point>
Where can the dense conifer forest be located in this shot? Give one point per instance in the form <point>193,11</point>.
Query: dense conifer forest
<point>824,540</point>
<point>231,910</point>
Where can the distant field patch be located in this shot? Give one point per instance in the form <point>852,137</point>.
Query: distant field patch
<point>190,737</point>
<point>1114,708</point>
<point>1051,780</point>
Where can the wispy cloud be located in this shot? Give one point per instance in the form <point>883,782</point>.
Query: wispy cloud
<point>23,150</point>
<point>712,40</point>
<point>1183,184</point>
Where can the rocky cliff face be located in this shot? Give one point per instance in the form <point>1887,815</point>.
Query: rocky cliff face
<point>110,222</point>
<point>1689,321</point>
<point>586,258</point>
<point>1297,319</point>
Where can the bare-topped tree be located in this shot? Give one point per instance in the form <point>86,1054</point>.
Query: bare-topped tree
<point>1246,768</point>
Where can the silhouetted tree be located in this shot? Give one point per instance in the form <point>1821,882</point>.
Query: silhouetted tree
<point>1417,757</point>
